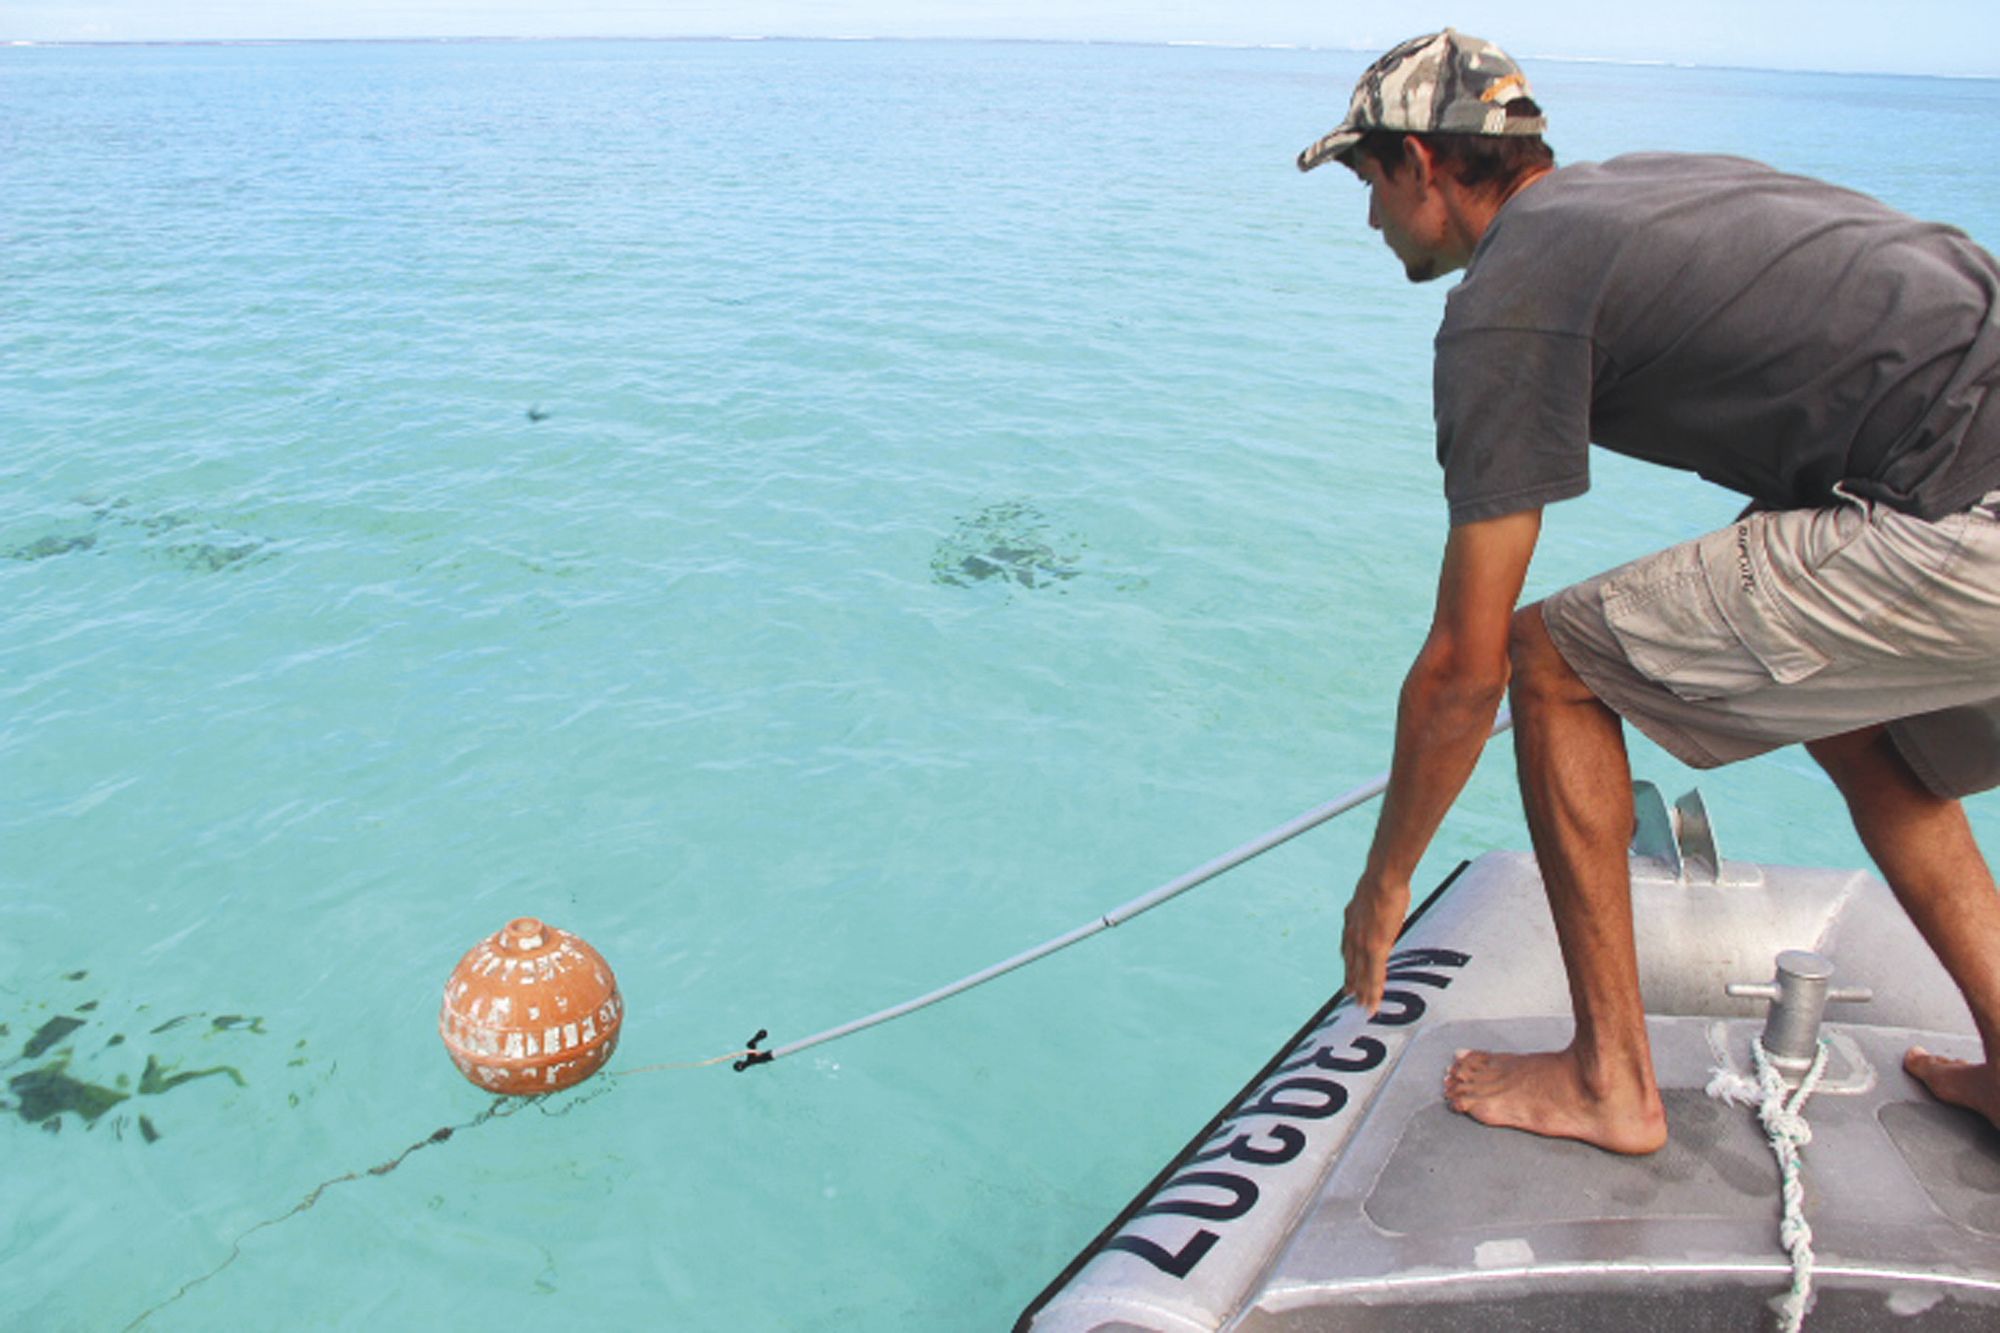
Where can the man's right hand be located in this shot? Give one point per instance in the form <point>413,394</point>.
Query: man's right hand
<point>1443,717</point>
<point>1374,919</point>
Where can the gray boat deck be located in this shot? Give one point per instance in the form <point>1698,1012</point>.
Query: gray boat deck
<point>1431,1221</point>
<point>1339,1192</point>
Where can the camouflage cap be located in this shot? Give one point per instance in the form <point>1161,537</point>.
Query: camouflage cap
<point>1440,83</point>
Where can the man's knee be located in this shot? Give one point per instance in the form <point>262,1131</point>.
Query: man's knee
<point>1539,673</point>
<point>1861,761</point>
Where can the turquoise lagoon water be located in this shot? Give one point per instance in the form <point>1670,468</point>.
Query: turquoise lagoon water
<point>811,518</point>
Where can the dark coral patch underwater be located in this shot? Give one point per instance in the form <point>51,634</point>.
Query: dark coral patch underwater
<point>1012,542</point>
<point>82,1077</point>
<point>190,544</point>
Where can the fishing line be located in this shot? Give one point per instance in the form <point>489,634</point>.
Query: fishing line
<point>692,1064</point>
<point>502,1106</point>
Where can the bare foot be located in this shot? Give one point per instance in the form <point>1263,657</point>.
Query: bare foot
<point>1546,1093</point>
<point>1960,1082</point>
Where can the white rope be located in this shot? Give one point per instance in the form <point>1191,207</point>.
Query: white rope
<point>1785,1125</point>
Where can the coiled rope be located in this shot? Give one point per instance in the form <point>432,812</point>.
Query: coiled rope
<point>1782,1112</point>
<point>1116,916</point>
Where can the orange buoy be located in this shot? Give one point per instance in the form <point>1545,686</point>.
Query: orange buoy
<point>530,1009</point>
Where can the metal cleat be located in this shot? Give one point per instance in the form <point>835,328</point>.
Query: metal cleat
<point>1799,996</point>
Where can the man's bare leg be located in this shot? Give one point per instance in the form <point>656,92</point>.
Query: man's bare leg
<point>1576,784</point>
<point>1924,847</point>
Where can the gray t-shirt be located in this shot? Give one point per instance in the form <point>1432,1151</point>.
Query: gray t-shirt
<point>1775,334</point>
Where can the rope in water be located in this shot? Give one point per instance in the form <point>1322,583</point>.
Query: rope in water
<point>1145,902</point>
<point>1784,1121</point>
<point>687,1064</point>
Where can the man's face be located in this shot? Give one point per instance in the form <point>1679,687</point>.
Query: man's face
<point>1408,213</point>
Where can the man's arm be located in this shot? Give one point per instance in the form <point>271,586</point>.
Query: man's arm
<point>1442,721</point>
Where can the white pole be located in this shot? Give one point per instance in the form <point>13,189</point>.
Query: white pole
<point>1145,902</point>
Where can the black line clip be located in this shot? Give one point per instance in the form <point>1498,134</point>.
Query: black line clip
<point>753,1056</point>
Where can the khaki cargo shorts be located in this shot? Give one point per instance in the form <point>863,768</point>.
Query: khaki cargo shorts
<point>1796,624</point>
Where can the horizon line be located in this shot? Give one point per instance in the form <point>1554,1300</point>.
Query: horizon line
<point>20,43</point>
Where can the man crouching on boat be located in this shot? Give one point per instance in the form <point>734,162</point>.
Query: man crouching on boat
<point>1830,358</point>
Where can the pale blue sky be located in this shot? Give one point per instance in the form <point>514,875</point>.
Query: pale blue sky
<point>1954,37</point>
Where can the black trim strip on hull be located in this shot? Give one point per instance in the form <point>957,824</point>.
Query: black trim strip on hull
<point>1194,1145</point>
